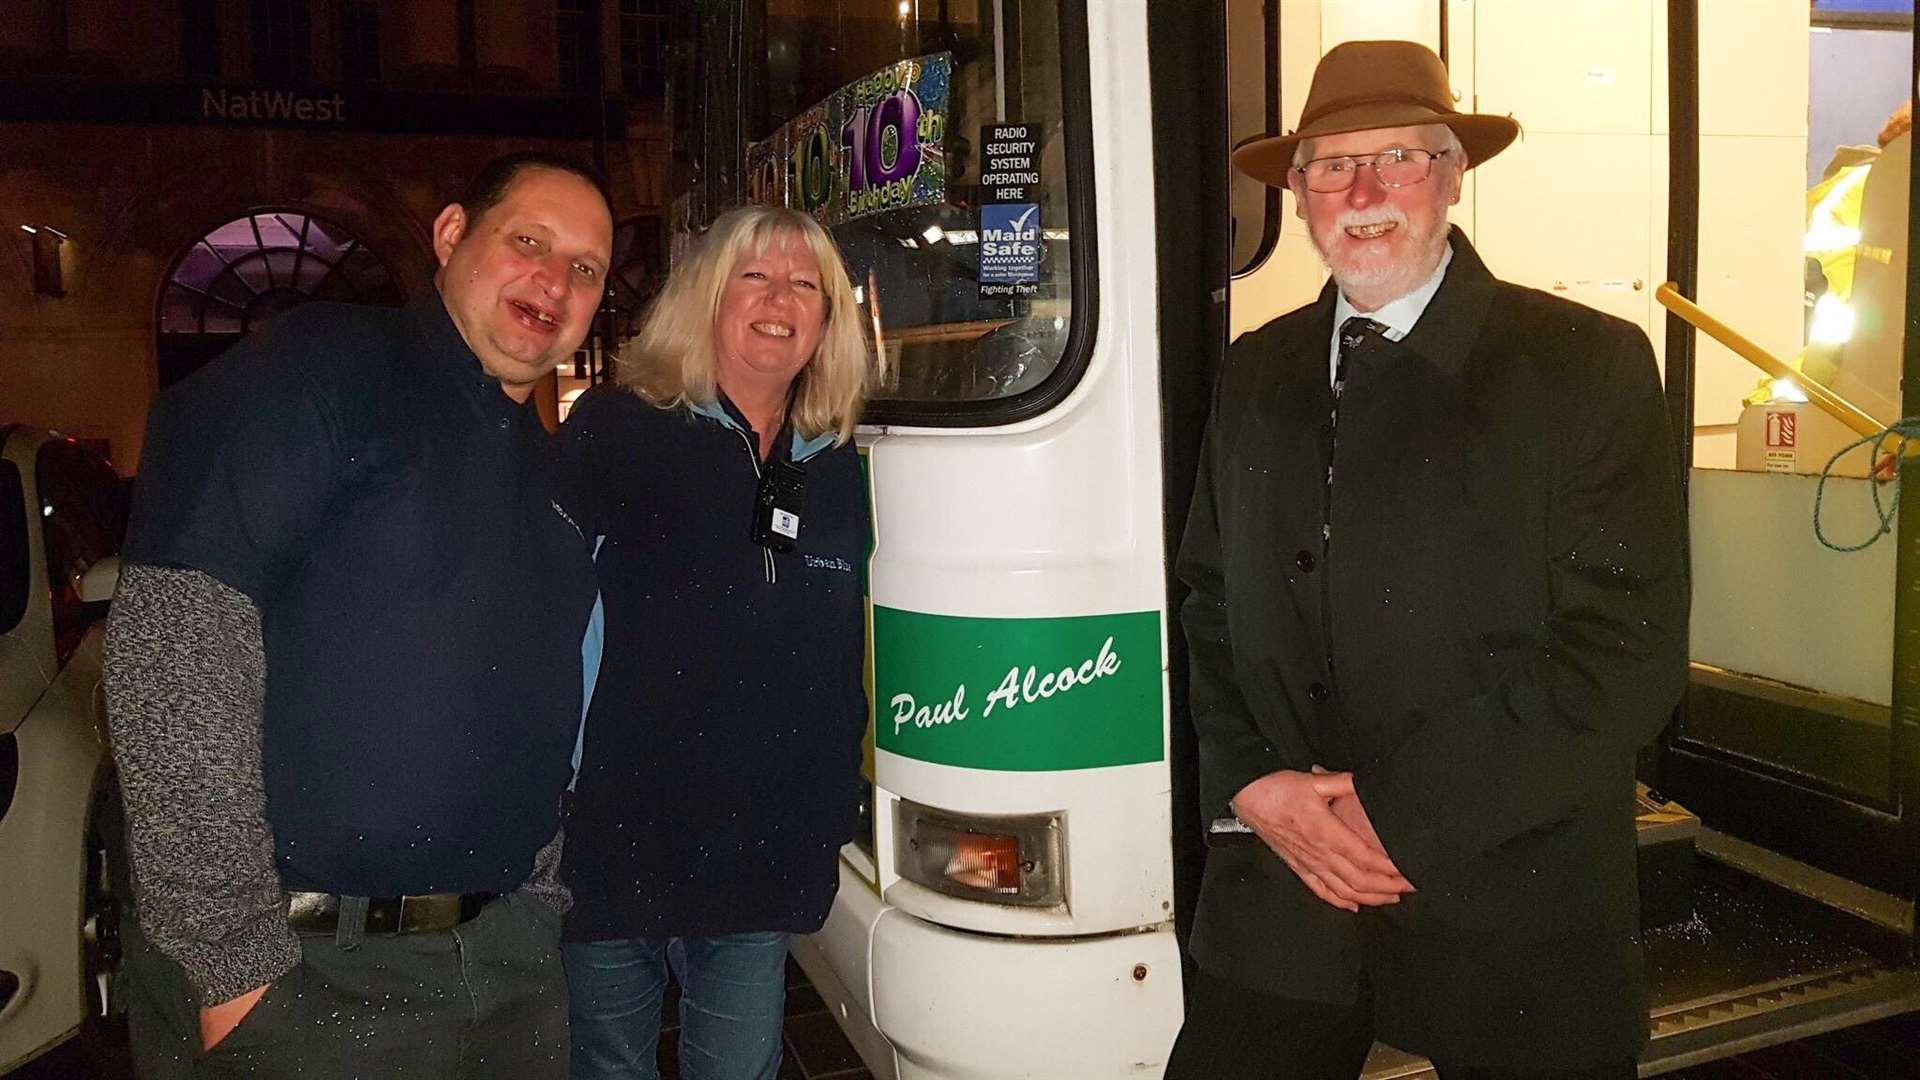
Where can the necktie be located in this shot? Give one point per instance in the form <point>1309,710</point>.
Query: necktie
<point>1353,334</point>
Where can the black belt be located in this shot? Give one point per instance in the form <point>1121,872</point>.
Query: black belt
<point>318,912</point>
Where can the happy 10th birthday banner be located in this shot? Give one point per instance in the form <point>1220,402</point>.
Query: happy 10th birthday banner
<point>874,145</point>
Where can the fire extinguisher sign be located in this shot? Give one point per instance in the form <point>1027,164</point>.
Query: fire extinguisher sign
<point>1780,430</point>
<point>1782,439</point>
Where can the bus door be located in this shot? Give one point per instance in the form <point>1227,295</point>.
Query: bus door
<point>1795,745</point>
<point>985,167</point>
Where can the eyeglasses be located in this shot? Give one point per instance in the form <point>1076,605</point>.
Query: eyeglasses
<point>1393,168</point>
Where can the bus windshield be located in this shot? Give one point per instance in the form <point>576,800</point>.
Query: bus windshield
<point>928,136</point>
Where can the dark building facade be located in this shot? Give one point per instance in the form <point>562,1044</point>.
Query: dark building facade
<point>173,174</point>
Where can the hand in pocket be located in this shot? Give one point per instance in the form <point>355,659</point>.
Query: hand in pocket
<point>218,1021</point>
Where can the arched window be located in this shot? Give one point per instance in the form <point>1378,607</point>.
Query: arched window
<point>240,275</point>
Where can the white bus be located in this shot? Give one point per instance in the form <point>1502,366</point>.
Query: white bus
<point>1034,197</point>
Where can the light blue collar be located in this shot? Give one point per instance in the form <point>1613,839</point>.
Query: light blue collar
<point>802,448</point>
<point>1399,314</point>
<point>1396,316</point>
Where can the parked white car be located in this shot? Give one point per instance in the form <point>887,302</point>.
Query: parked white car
<point>62,514</point>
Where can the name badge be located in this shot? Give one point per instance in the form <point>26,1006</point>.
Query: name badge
<point>778,504</point>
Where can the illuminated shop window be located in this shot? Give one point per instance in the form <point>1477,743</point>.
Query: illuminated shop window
<point>242,274</point>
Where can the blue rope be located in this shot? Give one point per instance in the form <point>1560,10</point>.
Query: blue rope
<point>1888,511</point>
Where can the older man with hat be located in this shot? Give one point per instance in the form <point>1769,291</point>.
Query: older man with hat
<point>1439,599</point>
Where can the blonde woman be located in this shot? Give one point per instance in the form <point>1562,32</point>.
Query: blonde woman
<point>720,762</point>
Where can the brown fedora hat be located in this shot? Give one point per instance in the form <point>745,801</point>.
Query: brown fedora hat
<point>1361,85</point>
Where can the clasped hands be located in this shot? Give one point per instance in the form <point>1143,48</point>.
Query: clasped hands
<point>1315,823</point>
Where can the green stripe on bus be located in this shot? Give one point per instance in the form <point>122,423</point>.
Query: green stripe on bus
<point>1025,695</point>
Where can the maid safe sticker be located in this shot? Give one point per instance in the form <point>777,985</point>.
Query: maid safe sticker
<point>1010,249</point>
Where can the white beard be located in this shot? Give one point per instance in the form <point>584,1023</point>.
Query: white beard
<point>1388,279</point>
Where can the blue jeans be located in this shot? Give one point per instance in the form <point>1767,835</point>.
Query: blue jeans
<point>733,992</point>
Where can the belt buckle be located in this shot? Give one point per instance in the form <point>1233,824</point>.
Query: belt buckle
<point>313,911</point>
<point>429,913</point>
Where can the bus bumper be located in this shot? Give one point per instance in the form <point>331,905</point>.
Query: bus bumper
<point>922,1002</point>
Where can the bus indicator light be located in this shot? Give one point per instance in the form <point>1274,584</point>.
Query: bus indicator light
<point>1006,860</point>
<point>986,861</point>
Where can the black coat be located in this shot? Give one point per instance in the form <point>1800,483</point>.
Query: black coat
<point>1495,626</point>
<point>721,770</point>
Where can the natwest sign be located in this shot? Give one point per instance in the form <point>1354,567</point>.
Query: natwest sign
<point>220,103</point>
<point>553,116</point>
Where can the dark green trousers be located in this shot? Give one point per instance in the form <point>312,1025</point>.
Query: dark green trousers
<point>486,1000</point>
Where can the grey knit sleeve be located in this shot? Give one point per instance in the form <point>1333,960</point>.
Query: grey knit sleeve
<point>185,678</point>
<point>545,884</point>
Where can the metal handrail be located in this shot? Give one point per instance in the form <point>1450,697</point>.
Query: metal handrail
<point>1818,393</point>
